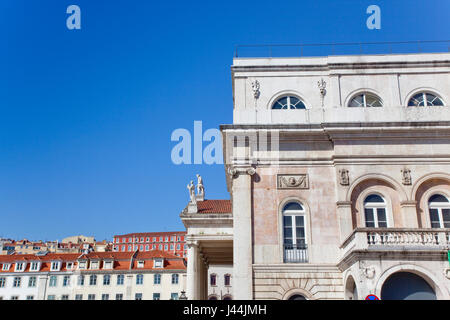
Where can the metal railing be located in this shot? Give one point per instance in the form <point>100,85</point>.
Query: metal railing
<point>295,253</point>
<point>325,49</point>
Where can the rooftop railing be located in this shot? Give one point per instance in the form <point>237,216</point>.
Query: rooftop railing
<point>352,48</point>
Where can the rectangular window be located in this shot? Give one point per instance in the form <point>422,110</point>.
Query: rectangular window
<point>106,280</point>
<point>105,296</point>
<point>69,265</point>
<point>157,278</point>
<point>120,278</point>
<point>175,278</point>
<point>107,265</point>
<point>370,221</point>
<point>81,280</point>
<point>227,280</point>
<point>51,297</point>
<point>446,217</point>
<point>138,296</point>
<point>54,266</point>
<point>34,266</point>
<point>434,215</point>
<point>93,280</point>
<point>20,266</point>
<point>119,296</point>
<point>2,282</point>
<point>32,282</point>
<point>78,297</point>
<point>139,279</point>
<point>158,263</point>
<point>66,281</point>
<point>212,279</point>
<point>156,296</point>
<point>5,266</point>
<point>52,281</point>
<point>65,297</point>
<point>140,264</point>
<point>15,298</point>
<point>16,282</point>
<point>30,297</point>
<point>174,296</point>
<point>91,296</point>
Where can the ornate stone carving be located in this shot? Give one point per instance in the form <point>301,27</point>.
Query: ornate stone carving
<point>322,84</point>
<point>255,88</point>
<point>292,181</point>
<point>406,176</point>
<point>236,171</point>
<point>344,179</point>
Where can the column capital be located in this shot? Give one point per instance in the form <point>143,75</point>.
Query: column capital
<point>191,243</point>
<point>235,171</point>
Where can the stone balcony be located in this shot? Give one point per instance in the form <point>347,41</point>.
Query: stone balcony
<point>395,241</point>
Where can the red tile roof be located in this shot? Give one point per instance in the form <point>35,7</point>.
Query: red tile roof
<point>214,206</point>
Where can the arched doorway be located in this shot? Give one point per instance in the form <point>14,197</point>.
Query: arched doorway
<point>297,297</point>
<point>406,286</point>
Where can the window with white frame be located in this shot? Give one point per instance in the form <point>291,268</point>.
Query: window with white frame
<point>34,266</point>
<point>6,266</point>
<point>138,296</point>
<point>66,281</point>
<point>141,248</point>
<point>375,211</point>
<point>157,278</point>
<point>425,99</point>
<point>20,266</point>
<point>175,278</point>
<point>156,296</point>
<point>140,264</point>
<point>2,282</point>
<point>16,282</point>
<point>147,247</point>
<point>294,232</point>
<point>32,282</point>
<point>53,281</point>
<point>139,279</point>
<point>107,264</point>
<point>78,297</point>
<point>93,280</point>
<point>94,264</point>
<point>65,297</point>
<point>366,100</point>
<point>158,263</point>
<point>69,265</point>
<point>120,279</point>
<point>439,207</point>
<point>227,280</point>
<point>30,297</point>
<point>174,296</point>
<point>55,266</point>
<point>105,296</point>
<point>82,264</point>
<point>106,280</point>
<point>288,102</point>
<point>91,296</point>
<point>80,280</point>
<point>119,296</point>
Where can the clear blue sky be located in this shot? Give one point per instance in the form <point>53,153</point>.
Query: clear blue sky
<point>86,116</point>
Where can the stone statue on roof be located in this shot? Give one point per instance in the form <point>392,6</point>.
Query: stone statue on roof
<point>191,189</point>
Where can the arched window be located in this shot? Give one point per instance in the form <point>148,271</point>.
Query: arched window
<point>365,100</point>
<point>439,207</point>
<point>424,99</point>
<point>294,235</point>
<point>288,102</point>
<point>375,211</point>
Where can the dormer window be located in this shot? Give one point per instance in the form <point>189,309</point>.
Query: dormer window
<point>94,264</point>
<point>140,264</point>
<point>82,264</point>
<point>55,266</point>
<point>107,264</point>
<point>34,266</point>
<point>69,265</point>
<point>5,266</point>
<point>158,263</point>
<point>20,266</point>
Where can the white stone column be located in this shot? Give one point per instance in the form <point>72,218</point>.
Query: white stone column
<point>192,271</point>
<point>242,233</point>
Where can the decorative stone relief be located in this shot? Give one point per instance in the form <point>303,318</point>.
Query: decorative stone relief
<point>322,84</point>
<point>255,88</point>
<point>406,176</point>
<point>292,181</point>
<point>236,171</point>
<point>344,179</point>
<point>367,272</point>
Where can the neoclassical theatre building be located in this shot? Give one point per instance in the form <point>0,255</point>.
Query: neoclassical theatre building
<point>338,170</point>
